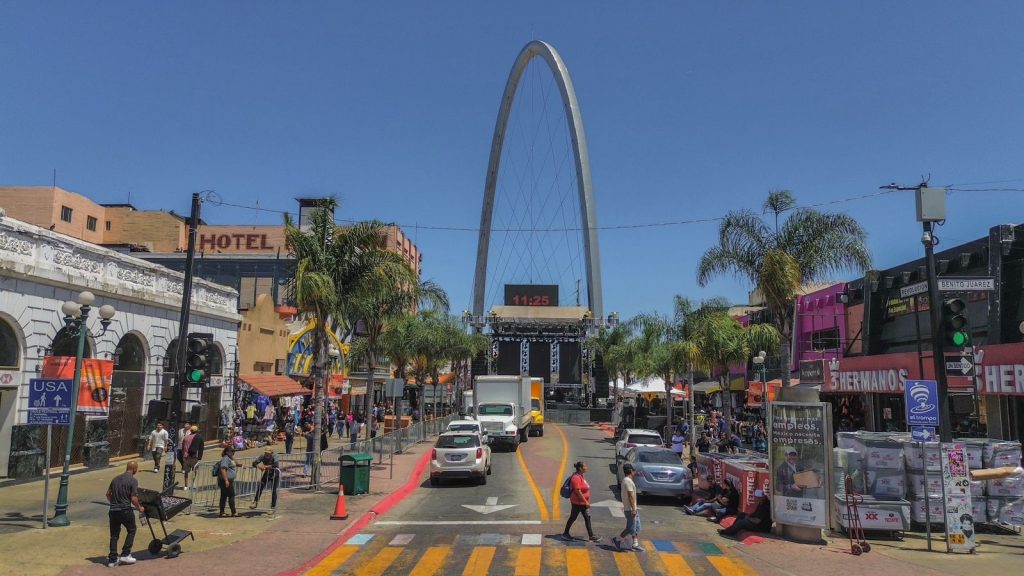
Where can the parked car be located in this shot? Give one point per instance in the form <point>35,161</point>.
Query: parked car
<point>633,437</point>
<point>659,472</point>
<point>460,455</point>
<point>466,426</point>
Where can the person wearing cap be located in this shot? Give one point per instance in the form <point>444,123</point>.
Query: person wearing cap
<point>192,448</point>
<point>627,539</point>
<point>269,465</point>
<point>758,521</point>
<point>785,483</point>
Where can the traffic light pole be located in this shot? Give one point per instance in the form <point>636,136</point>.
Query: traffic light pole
<point>182,350</point>
<point>938,356</point>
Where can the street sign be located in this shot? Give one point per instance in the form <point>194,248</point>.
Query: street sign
<point>394,387</point>
<point>922,402</point>
<point>977,284</point>
<point>914,289</point>
<point>964,366</point>
<point>922,433</point>
<point>49,401</point>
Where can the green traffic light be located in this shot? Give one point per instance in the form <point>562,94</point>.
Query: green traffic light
<point>959,338</point>
<point>195,376</point>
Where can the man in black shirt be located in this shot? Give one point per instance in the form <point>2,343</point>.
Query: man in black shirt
<point>123,495</point>
<point>269,465</point>
<point>759,521</point>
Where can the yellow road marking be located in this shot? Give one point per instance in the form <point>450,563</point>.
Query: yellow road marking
<point>431,561</point>
<point>381,561</point>
<point>743,567</point>
<point>675,565</point>
<point>479,561</point>
<point>725,566</point>
<point>629,564</point>
<point>533,487</point>
<point>332,561</point>
<point>555,496</point>
<point>528,561</point>
<point>577,562</point>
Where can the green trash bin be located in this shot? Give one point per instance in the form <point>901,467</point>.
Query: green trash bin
<point>355,473</point>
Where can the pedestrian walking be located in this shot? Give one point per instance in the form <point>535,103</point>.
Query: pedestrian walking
<point>271,469</point>
<point>628,536</point>
<point>677,443</point>
<point>193,449</point>
<point>226,470</point>
<point>353,431</point>
<point>579,497</point>
<point>185,430</point>
<point>289,435</point>
<point>342,421</point>
<point>310,437</point>
<point>123,496</point>
<point>157,444</point>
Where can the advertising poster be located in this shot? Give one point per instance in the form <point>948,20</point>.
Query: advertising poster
<point>957,495</point>
<point>94,391</point>
<point>799,451</point>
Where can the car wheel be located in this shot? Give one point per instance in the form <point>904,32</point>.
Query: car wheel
<point>482,480</point>
<point>488,468</point>
<point>434,480</point>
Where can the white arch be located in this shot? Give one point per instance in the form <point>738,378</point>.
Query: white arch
<point>584,185</point>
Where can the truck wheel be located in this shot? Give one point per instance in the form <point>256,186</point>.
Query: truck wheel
<point>434,480</point>
<point>540,431</point>
<point>524,435</point>
<point>515,444</point>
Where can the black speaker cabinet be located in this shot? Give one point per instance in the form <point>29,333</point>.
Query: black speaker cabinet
<point>158,410</point>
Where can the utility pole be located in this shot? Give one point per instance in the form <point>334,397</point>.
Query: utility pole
<point>177,408</point>
<point>931,208</point>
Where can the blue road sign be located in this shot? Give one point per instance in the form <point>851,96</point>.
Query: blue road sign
<point>49,401</point>
<point>922,401</point>
<point>922,434</point>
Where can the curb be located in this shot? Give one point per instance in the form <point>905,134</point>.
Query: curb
<point>377,509</point>
<point>608,428</point>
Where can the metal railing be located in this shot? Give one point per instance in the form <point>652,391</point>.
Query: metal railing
<point>309,470</point>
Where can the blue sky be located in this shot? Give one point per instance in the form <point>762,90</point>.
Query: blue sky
<point>691,109</point>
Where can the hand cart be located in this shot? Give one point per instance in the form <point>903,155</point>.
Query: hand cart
<point>162,506</point>
<point>858,542</point>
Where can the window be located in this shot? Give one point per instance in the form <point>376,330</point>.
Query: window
<point>825,339</point>
<point>106,225</point>
<point>9,349</point>
<point>90,223</point>
<point>65,213</point>
<point>458,441</point>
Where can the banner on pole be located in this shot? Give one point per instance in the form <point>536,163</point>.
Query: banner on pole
<point>799,455</point>
<point>94,388</point>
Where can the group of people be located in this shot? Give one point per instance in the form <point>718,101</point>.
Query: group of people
<point>188,452</point>
<point>579,498</point>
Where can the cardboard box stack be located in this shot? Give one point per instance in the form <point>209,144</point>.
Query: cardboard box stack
<point>875,462</point>
<point>1005,502</point>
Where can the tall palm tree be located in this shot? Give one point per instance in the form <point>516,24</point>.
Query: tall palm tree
<point>777,257</point>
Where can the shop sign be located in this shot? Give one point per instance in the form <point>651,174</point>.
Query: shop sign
<point>800,480</point>
<point>1001,368</point>
<point>885,380</point>
<point>234,242</point>
<point>812,371</point>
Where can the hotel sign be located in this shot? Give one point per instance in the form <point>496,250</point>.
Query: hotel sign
<point>208,242</point>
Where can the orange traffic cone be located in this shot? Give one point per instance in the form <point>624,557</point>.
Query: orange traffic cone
<point>340,513</point>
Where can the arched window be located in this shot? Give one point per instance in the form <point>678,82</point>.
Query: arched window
<point>130,354</point>
<point>66,344</point>
<point>216,359</point>
<point>10,350</point>
<point>170,358</point>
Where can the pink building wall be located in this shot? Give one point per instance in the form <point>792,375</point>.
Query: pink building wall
<point>817,312</point>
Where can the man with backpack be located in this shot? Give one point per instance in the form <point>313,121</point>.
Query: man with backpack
<point>577,490</point>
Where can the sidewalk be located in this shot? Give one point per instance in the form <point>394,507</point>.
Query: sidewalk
<point>255,543</point>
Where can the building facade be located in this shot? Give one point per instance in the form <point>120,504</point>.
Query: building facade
<point>40,269</point>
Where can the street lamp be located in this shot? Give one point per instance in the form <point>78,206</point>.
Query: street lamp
<point>75,316</point>
<point>759,368</point>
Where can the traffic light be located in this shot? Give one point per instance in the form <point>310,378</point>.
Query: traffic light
<point>955,323</point>
<point>197,361</point>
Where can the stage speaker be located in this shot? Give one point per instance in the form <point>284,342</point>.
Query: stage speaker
<point>198,413</point>
<point>158,410</point>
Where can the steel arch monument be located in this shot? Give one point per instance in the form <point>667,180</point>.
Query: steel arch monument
<point>540,49</point>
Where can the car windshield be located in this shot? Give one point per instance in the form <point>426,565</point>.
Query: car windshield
<point>659,457</point>
<point>645,439</point>
<point>494,410</point>
<point>458,441</point>
<point>534,404</point>
<point>464,427</point>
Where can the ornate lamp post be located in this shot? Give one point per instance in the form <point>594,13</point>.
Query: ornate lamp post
<point>759,369</point>
<point>76,314</point>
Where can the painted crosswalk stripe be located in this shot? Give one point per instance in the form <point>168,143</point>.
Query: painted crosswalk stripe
<point>663,546</point>
<point>725,566</point>
<point>709,549</point>
<point>743,567</point>
<point>332,561</point>
<point>629,564</point>
<point>480,561</point>
<point>532,539</point>
<point>675,565</point>
<point>359,539</point>
<point>401,540</point>
<point>577,562</point>
<point>381,562</point>
<point>431,561</point>
<point>528,561</point>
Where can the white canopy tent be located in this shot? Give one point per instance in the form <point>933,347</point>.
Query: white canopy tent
<point>651,385</point>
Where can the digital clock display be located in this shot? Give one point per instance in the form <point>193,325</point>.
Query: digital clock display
<point>531,295</point>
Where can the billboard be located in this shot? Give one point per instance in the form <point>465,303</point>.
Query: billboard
<point>94,390</point>
<point>800,438</point>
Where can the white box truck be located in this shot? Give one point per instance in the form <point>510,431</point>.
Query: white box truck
<point>503,408</point>
<point>467,403</point>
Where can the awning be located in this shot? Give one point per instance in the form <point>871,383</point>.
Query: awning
<point>706,387</point>
<point>273,385</point>
<point>443,379</point>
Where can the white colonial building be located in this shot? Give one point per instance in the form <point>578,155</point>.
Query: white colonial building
<point>39,271</point>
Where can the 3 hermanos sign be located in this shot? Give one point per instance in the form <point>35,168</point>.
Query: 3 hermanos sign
<point>850,378</point>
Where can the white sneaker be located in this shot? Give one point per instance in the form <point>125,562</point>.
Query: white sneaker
<point>156,470</point>
<point>129,559</point>
<point>112,563</point>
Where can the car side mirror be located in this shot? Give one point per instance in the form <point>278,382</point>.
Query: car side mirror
<point>484,439</point>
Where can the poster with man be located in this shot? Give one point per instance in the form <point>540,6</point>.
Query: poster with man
<point>800,438</point>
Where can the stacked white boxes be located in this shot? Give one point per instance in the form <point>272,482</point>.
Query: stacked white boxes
<point>875,461</point>
<point>1005,503</point>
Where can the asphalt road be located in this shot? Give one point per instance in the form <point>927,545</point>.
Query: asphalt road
<point>517,518</point>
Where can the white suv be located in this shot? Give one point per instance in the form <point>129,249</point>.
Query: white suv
<point>633,437</point>
<point>460,455</point>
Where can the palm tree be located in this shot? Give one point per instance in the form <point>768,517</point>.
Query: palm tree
<point>776,258</point>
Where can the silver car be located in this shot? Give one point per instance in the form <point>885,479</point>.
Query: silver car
<point>659,472</point>
<point>633,437</point>
<point>460,455</point>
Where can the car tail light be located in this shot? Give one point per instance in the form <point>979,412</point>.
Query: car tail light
<point>479,453</point>
<point>629,445</point>
<point>433,453</point>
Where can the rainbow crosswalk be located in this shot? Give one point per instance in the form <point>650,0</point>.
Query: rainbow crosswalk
<point>370,554</point>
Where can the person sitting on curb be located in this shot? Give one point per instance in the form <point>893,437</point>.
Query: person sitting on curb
<point>758,521</point>
<point>731,498</point>
<point>715,499</point>
<point>269,465</point>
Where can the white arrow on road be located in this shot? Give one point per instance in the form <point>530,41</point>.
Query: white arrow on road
<point>613,506</point>
<point>491,505</point>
